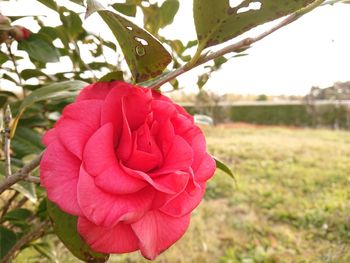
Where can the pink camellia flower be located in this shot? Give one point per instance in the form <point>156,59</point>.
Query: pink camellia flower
<point>130,163</point>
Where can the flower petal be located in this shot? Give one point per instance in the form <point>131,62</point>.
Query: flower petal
<point>49,136</point>
<point>136,116</point>
<point>158,231</point>
<point>115,180</point>
<point>59,172</point>
<point>171,183</point>
<point>108,210</point>
<point>185,202</point>
<point>73,135</point>
<point>96,91</point>
<point>205,170</point>
<point>87,112</point>
<point>99,150</point>
<point>117,239</point>
<point>178,158</point>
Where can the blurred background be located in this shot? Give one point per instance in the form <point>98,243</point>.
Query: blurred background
<point>278,114</point>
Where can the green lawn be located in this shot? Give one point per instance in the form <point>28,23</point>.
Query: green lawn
<point>290,202</point>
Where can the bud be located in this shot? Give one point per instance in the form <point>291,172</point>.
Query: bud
<point>20,33</point>
<point>3,36</point>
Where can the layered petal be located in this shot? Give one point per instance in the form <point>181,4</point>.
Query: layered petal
<point>185,202</point>
<point>205,170</point>
<point>178,158</point>
<point>117,239</point>
<point>96,91</point>
<point>49,136</point>
<point>73,135</point>
<point>59,173</point>
<point>107,210</point>
<point>171,183</point>
<point>157,231</point>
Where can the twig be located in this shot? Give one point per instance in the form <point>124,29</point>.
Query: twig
<point>13,59</point>
<point>32,179</point>
<point>20,175</point>
<point>35,233</point>
<point>245,43</point>
<point>7,140</point>
<point>8,204</point>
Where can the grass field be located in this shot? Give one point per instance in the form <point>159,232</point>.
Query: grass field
<point>290,202</point>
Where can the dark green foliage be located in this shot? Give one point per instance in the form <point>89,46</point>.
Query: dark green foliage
<point>333,116</point>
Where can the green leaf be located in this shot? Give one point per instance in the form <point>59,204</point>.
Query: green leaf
<point>65,227</point>
<point>50,4</point>
<point>27,189</point>
<point>112,76</point>
<point>223,167</point>
<point>48,92</point>
<point>145,55</point>
<point>32,73</point>
<point>19,214</point>
<point>126,9</point>
<point>38,48</point>
<point>217,22</point>
<point>71,22</point>
<point>26,142</point>
<point>7,241</point>
<point>167,12</point>
<point>3,58</point>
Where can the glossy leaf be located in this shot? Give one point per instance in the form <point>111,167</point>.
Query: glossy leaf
<point>65,227</point>
<point>50,4</point>
<point>27,189</point>
<point>125,9</point>
<point>7,241</point>
<point>145,55</point>
<point>223,167</point>
<point>218,21</point>
<point>17,214</point>
<point>168,11</point>
<point>112,76</point>
<point>32,73</point>
<point>38,48</point>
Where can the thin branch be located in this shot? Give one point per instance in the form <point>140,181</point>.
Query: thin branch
<point>8,204</point>
<point>32,179</point>
<point>35,233</point>
<point>20,175</point>
<point>245,43</point>
<point>13,59</point>
<point>7,140</point>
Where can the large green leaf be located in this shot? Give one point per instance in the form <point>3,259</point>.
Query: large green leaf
<point>217,21</point>
<point>168,11</point>
<point>65,227</point>
<point>38,48</point>
<point>145,55</point>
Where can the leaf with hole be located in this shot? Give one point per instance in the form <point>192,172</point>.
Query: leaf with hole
<point>219,21</point>
<point>65,227</point>
<point>145,55</point>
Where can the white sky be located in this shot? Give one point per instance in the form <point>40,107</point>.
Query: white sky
<point>313,51</point>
